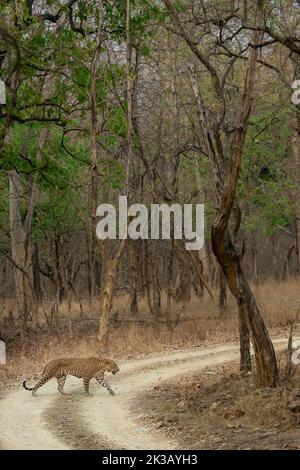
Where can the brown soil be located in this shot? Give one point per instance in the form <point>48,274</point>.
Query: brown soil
<point>219,409</point>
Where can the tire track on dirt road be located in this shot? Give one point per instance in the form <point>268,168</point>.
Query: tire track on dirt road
<point>51,421</point>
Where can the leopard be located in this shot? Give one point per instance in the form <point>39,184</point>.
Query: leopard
<point>84,368</point>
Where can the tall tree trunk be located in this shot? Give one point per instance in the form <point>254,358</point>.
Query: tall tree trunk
<point>209,263</point>
<point>110,266</point>
<point>21,249</point>
<point>21,243</point>
<point>225,251</point>
<point>93,196</point>
<point>156,296</point>
<point>228,257</point>
<point>245,357</point>
<point>134,277</point>
<point>222,291</point>
<point>254,257</point>
<point>296,156</point>
<point>170,280</point>
<point>36,272</point>
<point>60,287</point>
<point>107,291</point>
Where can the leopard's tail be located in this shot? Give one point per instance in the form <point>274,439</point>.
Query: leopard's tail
<point>25,386</point>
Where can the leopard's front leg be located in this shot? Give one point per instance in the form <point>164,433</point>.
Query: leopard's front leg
<point>105,383</point>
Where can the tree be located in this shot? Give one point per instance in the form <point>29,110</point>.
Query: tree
<point>223,247</point>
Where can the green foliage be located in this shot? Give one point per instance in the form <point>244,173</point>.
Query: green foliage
<point>62,167</point>
<point>57,214</point>
<point>142,13</point>
<point>264,182</point>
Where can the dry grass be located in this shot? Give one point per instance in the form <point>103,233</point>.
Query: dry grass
<point>219,409</point>
<point>199,322</point>
<point>279,301</point>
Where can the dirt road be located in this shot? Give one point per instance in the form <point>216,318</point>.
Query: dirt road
<point>52,421</point>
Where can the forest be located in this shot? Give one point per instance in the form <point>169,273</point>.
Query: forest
<point>163,103</point>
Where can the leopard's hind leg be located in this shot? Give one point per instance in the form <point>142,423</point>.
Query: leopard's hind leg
<point>44,379</point>
<point>61,380</point>
<point>86,384</point>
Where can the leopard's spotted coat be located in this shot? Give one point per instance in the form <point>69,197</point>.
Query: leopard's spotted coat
<point>85,368</point>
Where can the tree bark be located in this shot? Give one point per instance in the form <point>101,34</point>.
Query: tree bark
<point>21,249</point>
<point>222,291</point>
<point>296,156</point>
<point>134,277</point>
<point>36,272</point>
<point>107,291</point>
<point>245,357</point>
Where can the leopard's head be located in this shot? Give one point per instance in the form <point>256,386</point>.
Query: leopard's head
<point>112,366</point>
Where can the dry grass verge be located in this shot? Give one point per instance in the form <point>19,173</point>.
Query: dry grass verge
<point>219,409</point>
<point>199,323</point>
